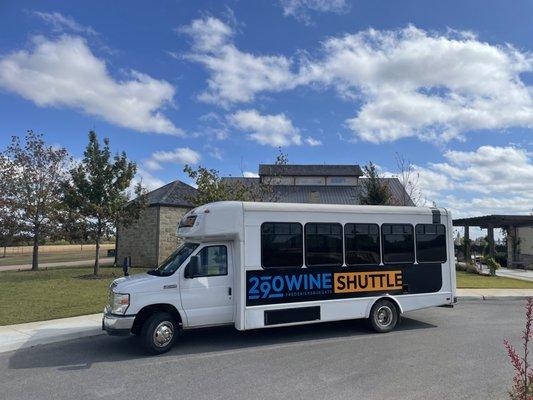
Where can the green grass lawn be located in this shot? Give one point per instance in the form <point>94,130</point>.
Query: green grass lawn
<point>17,259</point>
<point>473,281</point>
<point>27,296</point>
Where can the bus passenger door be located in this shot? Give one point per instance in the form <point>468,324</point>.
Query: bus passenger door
<point>207,298</point>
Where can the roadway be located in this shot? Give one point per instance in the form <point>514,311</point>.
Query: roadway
<point>437,353</point>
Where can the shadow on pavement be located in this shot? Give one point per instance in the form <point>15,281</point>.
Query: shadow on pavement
<point>81,354</point>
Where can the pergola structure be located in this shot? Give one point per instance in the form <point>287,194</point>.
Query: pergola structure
<point>489,222</point>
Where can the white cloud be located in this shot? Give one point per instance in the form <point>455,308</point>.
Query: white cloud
<point>273,130</point>
<point>61,22</point>
<point>215,152</point>
<point>300,8</point>
<point>250,174</point>
<point>147,180</point>
<point>416,83</point>
<point>152,165</point>
<point>490,170</point>
<point>313,142</point>
<point>180,155</point>
<point>405,83</point>
<point>235,76</point>
<point>489,180</point>
<point>65,73</point>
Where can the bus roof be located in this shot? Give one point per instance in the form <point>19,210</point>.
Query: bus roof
<point>314,207</point>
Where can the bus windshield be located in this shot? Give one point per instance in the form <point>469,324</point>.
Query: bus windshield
<point>172,263</point>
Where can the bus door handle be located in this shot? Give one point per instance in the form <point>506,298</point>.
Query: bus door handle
<point>229,291</point>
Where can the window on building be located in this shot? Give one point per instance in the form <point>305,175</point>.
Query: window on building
<point>213,261</point>
<point>281,245</point>
<point>361,244</point>
<point>431,243</point>
<point>310,180</point>
<point>323,244</point>
<point>341,181</point>
<point>398,243</point>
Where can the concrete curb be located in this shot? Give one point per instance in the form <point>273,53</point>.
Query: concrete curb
<point>500,298</point>
<point>21,336</point>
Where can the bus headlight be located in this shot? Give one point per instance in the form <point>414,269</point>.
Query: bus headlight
<point>120,303</point>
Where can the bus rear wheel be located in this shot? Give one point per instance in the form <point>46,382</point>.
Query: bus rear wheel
<point>383,316</point>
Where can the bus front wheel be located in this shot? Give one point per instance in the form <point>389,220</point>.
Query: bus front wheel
<point>383,316</point>
<point>159,333</point>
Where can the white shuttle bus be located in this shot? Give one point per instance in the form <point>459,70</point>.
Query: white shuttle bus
<point>262,265</point>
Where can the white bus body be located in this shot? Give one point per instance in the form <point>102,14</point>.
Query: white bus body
<point>257,265</point>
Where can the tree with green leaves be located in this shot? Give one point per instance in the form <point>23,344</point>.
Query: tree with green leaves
<point>376,191</point>
<point>98,191</point>
<point>211,187</point>
<point>10,226</point>
<point>31,176</point>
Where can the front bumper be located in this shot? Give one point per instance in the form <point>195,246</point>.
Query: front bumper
<point>117,324</point>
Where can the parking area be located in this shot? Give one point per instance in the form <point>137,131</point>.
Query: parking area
<point>437,353</point>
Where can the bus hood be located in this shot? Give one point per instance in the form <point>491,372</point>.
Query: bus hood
<point>138,283</point>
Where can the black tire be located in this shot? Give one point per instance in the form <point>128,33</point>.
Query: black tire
<point>383,316</point>
<point>159,325</point>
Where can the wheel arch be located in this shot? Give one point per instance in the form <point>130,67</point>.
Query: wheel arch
<point>393,300</point>
<point>148,310</point>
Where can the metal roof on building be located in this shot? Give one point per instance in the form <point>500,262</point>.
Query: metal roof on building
<point>326,194</point>
<point>179,194</point>
<point>309,170</point>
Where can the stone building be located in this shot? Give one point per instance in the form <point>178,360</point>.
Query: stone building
<point>153,237</point>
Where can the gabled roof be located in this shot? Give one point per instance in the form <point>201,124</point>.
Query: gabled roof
<point>309,170</point>
<point>173,194</point>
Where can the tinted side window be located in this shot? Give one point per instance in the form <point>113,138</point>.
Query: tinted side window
<point>281,245</point>
<point>213,261</point>
<point>398,243</point>
<point>323,244</point>
<point>430,243</point>
<point>361,244</point>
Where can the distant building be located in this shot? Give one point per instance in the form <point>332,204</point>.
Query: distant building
<point>153,237</point>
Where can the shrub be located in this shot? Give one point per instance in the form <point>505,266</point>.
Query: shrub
<point>523,379</point>
<point>471,267</point>
<point>501,258</point>
<point>492,264</point>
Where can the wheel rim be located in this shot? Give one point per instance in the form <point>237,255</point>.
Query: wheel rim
<point>384,316</point>
<point>163,334</point>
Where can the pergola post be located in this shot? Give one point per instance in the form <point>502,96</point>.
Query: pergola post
<point>467,244</point>
<point>511,235</point>
<point>491,241</point>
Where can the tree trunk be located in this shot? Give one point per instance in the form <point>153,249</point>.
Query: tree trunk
<point>35,256</point>
<point>96,269</point>
<point>5,250</point>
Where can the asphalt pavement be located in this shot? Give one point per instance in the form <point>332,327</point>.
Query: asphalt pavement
<point>438,353</point>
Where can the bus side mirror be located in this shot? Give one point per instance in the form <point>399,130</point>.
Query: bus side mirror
<point>193,268</point>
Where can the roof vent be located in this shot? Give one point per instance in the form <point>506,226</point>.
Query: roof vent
<point>314,197</point>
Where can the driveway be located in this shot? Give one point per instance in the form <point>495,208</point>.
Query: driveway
<point>437,353</point>
<point>525,275</point>
<point>79,263</point>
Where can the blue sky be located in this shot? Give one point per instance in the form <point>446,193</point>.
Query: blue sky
<point>447,85</point>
